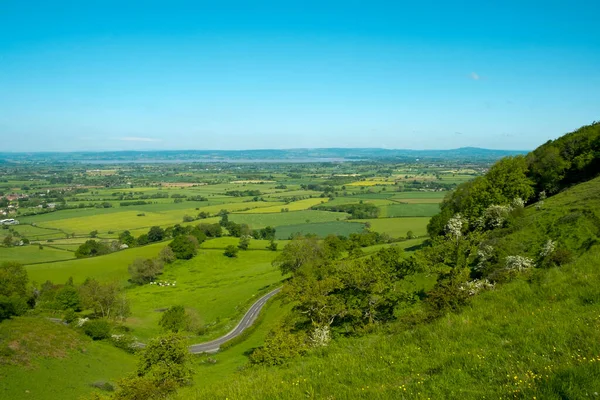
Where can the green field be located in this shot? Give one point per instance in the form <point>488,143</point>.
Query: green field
<point>321,229</point>
<point>222,242</point>
<point>217,287</point>
<point>397,227</point>
<point>106,268</point>
<point>409,210</point>
<point>32,254</point>
<point>257,221</point>
<point>293,206</point>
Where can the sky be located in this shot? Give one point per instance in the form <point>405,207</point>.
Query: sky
<point>139,75</point>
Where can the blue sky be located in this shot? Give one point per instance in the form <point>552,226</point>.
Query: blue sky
<point>103,75</point>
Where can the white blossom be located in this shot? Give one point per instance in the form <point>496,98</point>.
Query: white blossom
<point>454,226</point>
<point>476,286</point>
<point>82,321</point>
<point>320,336</point>
<point>517,203</point>
<point>484,253</point>
<point>519,263</point>
<point>548,248</point>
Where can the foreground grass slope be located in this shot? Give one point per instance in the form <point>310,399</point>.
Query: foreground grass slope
<point>537,336</point>
<point>41,359</point>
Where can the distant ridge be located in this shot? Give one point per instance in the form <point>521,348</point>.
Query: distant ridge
<point>264,155</point>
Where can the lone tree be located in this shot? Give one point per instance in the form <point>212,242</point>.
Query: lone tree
<point>163,367</point>
<point>145,270</point>
<point>174,319</point>
<point>244,243</point>
<point>184,247</point>
<point>231,251</point>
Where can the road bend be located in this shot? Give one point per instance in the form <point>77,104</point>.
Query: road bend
<point>246,321</point>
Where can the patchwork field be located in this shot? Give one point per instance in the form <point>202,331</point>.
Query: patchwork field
<point>293,206</point>
<point>288,218</point>
<point>409,210</point>
<point>33,254</point>
<point>320,229</point>
<point>398,227</point>
<point>105,268</point>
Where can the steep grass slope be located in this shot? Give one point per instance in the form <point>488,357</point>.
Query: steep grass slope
<point>537,336</point>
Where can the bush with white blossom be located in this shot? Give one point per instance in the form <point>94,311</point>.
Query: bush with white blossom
<point>548,248</point>
<point>519,263</point>
<point>476,286</point>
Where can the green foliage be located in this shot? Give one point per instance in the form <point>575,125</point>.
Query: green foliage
<point>174,319</point>
<point>272,245</point>
<point>67,298</point>
<point>357,211</point>
<point>300,251</point>
<point>13,290</point>
<point>144,271</point>
<point>164,364</point>
<point>184,247</point>
<point>97,329</point>
<point>280,347</point>
<point>231,251</point>
<point>166,255</point>
<point>92,248</point>
<point>156,234</point>
<point>244,243</point>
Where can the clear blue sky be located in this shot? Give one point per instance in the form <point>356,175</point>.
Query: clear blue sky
<point>128,74</point>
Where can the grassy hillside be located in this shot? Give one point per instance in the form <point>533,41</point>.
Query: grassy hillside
<point>537,336</point>
<point>40,359</point>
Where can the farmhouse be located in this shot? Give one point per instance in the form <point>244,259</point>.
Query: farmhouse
<point>9,221</point>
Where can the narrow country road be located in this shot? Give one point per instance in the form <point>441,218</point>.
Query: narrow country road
<point>247,321</point>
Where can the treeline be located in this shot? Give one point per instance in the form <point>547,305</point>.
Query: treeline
<point>557,164</point>
<point>243,193</point>
<point>357,211</point>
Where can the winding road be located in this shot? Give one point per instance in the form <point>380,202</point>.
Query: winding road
<point>247,321</point>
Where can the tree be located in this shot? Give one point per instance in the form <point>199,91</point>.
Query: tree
<point>67,298</point>
<point>164,362</point>
<point>166,255</point>
<point>174,319</point>
<point>145,270</point>
<point>126,238</point>
<point>272,245</point>
<point>410,235</point>
<point>156,234</point>
<point>300,251</point>
<point>184,247</point>
<point>231,251</point>
<point>8,241</point>
<point>13,290</point>
<point>244,243</point>
<point>92,248</point>
<point>93,233</point>
<point>104,298</point>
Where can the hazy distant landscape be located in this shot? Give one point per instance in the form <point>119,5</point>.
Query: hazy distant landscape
<point>288,200</point>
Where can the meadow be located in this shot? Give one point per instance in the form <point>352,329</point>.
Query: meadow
<point>321,229</point>
<point>256,221</point>
<point>398,227</point>
<point>409,210</point>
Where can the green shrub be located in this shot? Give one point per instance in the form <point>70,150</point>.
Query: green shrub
<point>97,329</point>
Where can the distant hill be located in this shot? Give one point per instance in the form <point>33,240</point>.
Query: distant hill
<point>289,155</point>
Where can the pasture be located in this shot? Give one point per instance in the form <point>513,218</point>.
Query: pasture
<point>398,227</point>
<point>321,229</point>
<point>218,288</point>
<point>409,210</point>
<point>256,221</point>
<point>33,254</point>
<point>110,267</point>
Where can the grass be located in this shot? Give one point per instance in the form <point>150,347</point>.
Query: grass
<point>222,242</point>
<point>105,268</point>
<point>32,254</point>
<point>320,229</point>
<point>256,221</point>
<point>293,206</point>
<point>397,227</point>
<point>409,210</point>
<point>45,360</point>
<point>218,288</point>
<point>525,340</point>
<point>230,361</point>
<point>419,195</point>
